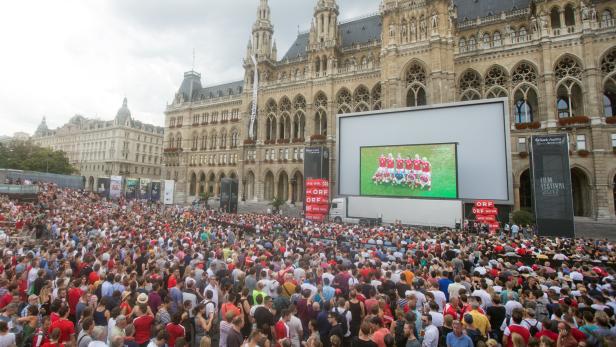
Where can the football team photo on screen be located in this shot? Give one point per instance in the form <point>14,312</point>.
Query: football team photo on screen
<point>409,171</point>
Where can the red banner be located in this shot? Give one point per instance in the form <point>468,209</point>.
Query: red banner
<point>317,199</point>
<point>486,213</point>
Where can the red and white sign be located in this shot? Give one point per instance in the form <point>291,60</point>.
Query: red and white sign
<point>486,213</point>
<point>317,199</point>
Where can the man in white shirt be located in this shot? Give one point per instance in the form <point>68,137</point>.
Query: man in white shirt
<point>213,287</point>
<point>454,288</point>
<point>431,334</point>
<point>486,299</point>
<point>296,331</point>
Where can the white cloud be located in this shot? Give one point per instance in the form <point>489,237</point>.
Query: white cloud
<point>65,57</point>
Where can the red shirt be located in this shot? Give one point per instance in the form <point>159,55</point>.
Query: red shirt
<point>49,344</point>
<point>548,333</point>
<point>93,277</point>
<point>73,299</point>
<point>450,310</point>
<point>171,282</point>
<point>6,299</point>
<point>399,164</point>
<point>417,164</point>
<point>67,328</point>
<point>175,331</point>
<point>143,325</point>
<point>382,162</point>
<point>425,166</point>
<point>390,163</point>
<point>229,307</point>
<point>282,331</point>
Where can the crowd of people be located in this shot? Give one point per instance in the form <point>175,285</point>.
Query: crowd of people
<point>79,270</point>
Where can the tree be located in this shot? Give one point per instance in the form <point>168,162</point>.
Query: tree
<point>523,217</point>
<point>277,203</point>
<point>24,155</point>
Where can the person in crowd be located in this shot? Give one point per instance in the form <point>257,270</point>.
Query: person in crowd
<point>150,274</point>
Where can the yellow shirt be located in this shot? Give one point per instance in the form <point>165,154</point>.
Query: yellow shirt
<point>480,321</point>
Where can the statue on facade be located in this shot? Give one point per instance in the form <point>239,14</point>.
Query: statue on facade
<point>534,24</point>
<point>423,27</point>
<point>593,13</point>
<point>434,20</point>
<point>413,29</point>
<point>585,11</point>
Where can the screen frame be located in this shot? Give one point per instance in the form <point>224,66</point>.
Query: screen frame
<point>503,103</point>
<point>455,154</point>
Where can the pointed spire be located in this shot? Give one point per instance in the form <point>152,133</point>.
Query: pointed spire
<point>124,104</point>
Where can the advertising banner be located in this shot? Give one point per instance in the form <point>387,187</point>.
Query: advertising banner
<point>317,199</point>
<point>169,190</point>
<point>316,162</point>
<point>415,171</point>
<point>552,190</point>
<point>132,187</point>
<point>155,191</point>
<point>144,188</point>
<point>102,186</point>
<point>115,187</point>
<point>486,213</point>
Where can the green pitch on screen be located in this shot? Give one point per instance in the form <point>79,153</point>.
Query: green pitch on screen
<point>442,158</point>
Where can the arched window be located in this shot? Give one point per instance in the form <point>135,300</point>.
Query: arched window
<point>317,65</point>
<point>524,72</point>
<point>361,94</point>
<point>285,105</point>
<point>496,76</point>
<point>195,141</point>
<point>320,100</point>
<point>299,124</point>
<point>213,140</point>
<point>171,141</point>
<point>462,45</point>
<point>299,103</point>
<point>376,97</point>
<point>178,141</point>
<point>606,18</point>
<point>470,85</point>
<point>223,139</point>
<point>608,70</point>
<point>569,95</point>
<point>523,112</point>
<point>569,15</point>
<point>270,128</point>
<point>472,43</point>
<point>344,101</point>
<point>285,126</point>
<point>523,34</point>
<point>555,18</point>
<point>234,138</point>
<point>416,83</point>
<point>486,40</point>
<point>203,140</point>
<point>320,119</point>
<point>497,39</point>
<point>525,103</point>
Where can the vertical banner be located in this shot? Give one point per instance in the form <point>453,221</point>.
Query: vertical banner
<point>317,199</point>
<point>552,190</point>
<point>228,195</point>
<point>486,213</point>
<point>169,189</point>
<point>115,187</point>
<point>144,188</point>
<point>316,162</point>
<point>132,187</point>
<point>155,191</point>
<point>102,186</point>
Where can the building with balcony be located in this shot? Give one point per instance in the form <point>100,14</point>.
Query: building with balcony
<point>554,60</point>
<point>99,149</point>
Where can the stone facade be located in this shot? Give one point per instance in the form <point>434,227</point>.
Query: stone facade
<point>554,60</point>
<point>100,149</point>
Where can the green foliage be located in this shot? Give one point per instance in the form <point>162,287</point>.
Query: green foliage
<point>24,155</point>
<point>523,217</point>
<point>276,203</point>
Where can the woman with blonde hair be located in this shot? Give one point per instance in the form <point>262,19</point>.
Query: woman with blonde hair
<point>205,341</point>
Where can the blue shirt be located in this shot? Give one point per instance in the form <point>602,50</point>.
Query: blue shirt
<point>107,289</point>
<point>328,293</point>
<point>443,285</point>
<point>462,341</point>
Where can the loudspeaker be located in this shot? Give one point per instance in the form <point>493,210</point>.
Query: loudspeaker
<point>228,195</point>
<point>316,163</point>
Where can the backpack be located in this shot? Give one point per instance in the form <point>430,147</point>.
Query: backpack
<point>533,329</point>
<point>342,319</point>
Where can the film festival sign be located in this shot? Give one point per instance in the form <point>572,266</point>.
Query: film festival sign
<point>552,190</point>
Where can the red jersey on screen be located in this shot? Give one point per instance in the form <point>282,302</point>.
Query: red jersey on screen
<point>382,161</point>
<point>390,163</point>
<point>425,166</point>
<point>399,164</point>
<point>417,164</point>
<point>409,164</point>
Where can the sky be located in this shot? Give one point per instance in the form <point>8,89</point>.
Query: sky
<point>67,57</point>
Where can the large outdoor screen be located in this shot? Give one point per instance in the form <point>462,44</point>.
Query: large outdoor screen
<point>420,171</point>
<point>479,130</point>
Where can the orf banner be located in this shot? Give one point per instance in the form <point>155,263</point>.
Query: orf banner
<point>115,187</point>
<point>317,199</point>
<point>155,191</point>
<point>144,188</point>
<point>169,189</point>
<point>102,186</point>
<point>132,186</point>
<point>552,191</point>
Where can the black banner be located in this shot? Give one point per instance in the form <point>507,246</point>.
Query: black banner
<point>228,195</point>
<point>155,191</point>
<point>102,186</point>
<point>551,177</point>
<point>316,163</point>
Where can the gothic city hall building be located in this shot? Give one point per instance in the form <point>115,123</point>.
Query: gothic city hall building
<point>554,60</point>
